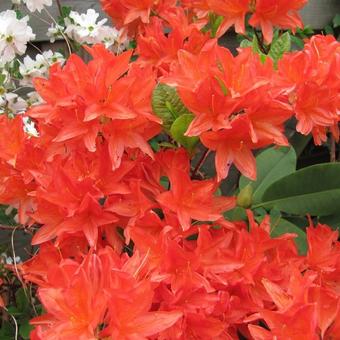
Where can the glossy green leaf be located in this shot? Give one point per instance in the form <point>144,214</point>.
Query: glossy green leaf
<point>167,105</point>
<point>178,129</point>
<point>332,220</point>
<point>271,164</point>
<point>236,214</point>
<point>313,190</point>
<point>283,226</point>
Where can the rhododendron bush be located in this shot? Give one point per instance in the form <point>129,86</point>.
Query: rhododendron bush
<point>159,178</point>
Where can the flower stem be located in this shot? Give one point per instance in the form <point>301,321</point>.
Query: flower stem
<point>200,162</point>
<point>59,8</point>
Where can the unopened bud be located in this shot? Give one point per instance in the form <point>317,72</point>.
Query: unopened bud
<point>245,197</point>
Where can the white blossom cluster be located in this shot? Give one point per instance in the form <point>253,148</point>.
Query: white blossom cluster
<point>38,67</point>
<point>86,29</point>
<point>34,5</point>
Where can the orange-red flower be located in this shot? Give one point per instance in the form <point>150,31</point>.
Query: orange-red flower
<point>186,197</point>
<point>132,15</point>
<point>276,13</point>
<point>308,79</point>
<point>94,102</point>
<point>235,108</point>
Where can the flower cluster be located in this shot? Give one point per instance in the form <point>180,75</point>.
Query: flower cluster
<point>84,29</point>
<point>266,14</point>
<point>235,108</point>
<point>215,285</point>
<point>31,68</point>
<point>133,241</point>
<point>18,73</point>
<point>313,87</point>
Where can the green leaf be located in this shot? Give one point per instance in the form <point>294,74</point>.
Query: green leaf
<point>167,105</point>
<point>215,22</point>
<point>66,10</point>
<point>280,46</point>
<point>21,300</point>
<point>246,43</point>
<point>336,21</point>
<point>272,164</point>
<point>6,331</point>
<point>154,144</point>
<point>307,30</point>
<point>329,29</point>
<point>14,311</point>
<point>297,41</point>
<point>256,48</point>
<point>236,214</point>
<point>178,129</point>
<point>282,226</point>
<point>25,329</point>
<point>2,78</point>
<point>19,14</point>
<point>165,183</point>
<point>299,142</point>
<point>331,220</point>
<point>313,190</point>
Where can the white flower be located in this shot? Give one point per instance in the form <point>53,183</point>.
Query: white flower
<point>84,27</point>
<point>9,259</point>
<point>33,98</point>
<point>37,5</point>
<point>12,104</point>
<point>39,67</point>
<point>14,35</point>
<point>108,35</point>
<point>29,127</point>
<point>55,32</point>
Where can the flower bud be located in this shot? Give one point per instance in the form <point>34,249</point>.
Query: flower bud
<point>245,197</point>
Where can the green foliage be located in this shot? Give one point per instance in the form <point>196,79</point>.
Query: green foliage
<point>331,220</point>
<point>65,12</point>
<point>25,329</point>
<point>272,164</point>
<point>167,105</point>
<point>21,311</point>
<point>213,24</point>
<point>336,21</point>
<point>14,69</point>
<point>279,46</point>
<point>19,14</point>
<point>282,226</point>
<point>298,38</point>
<point>255,45</point>
<point>6,331</point>
<point>312,190</point>
<point>178,129</point>
<point>236,214</point>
